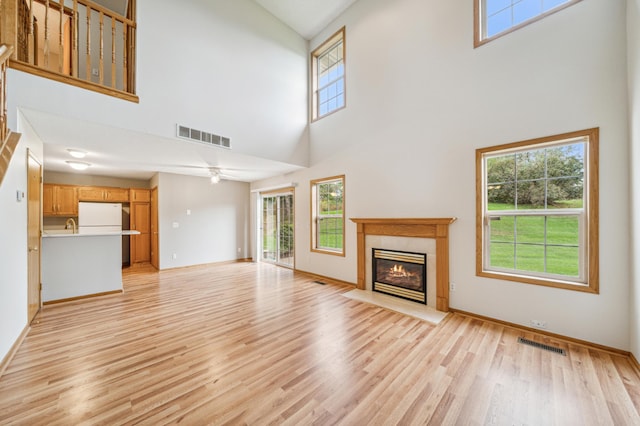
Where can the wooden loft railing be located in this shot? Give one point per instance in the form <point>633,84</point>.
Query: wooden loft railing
<point>78,42</point>
<point>8,139</point>
<point>5,54</point>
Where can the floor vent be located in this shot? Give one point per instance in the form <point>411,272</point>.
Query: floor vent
<point>203,137</point>
<point>542,346</point>
<point>320,282</point>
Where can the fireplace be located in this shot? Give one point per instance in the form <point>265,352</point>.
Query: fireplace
<point>400,273</point>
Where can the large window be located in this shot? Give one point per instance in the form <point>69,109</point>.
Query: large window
<point>495,18</point>
<point>327,222</point>
<point>328,74</point>
<point>537,211</point>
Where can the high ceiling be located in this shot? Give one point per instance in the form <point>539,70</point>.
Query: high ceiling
<point>107,155</point>
<point>306,17</point>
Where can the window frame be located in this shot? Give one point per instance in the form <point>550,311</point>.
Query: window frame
<point>339,35</point>
<point>315,215</point>
<point>479,21</point>
<point>588,248</point>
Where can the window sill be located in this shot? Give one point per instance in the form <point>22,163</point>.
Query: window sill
<point>566,285</point>
<point>330,252</point>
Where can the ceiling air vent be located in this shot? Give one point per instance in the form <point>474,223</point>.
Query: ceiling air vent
<point>203,137</point>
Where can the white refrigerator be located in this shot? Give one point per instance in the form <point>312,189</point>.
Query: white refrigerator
<point>99,218</point>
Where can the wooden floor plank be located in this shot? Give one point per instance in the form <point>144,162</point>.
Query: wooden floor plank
<point>253,343</point>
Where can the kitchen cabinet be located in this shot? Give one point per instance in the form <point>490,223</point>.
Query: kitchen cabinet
<point>59,200</point>
<point>106,194</point>
<point>140,195</point>
<point>140,221</point>
<point>116,195</point>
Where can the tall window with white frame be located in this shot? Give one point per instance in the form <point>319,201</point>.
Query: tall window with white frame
<point>328,76</point>
<point>537,211</point>
<point>495,18</point>
<point>327,210</point>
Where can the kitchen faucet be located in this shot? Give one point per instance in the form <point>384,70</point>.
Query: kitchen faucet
<point>73,223</point>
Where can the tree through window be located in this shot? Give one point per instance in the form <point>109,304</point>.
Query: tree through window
<point>537,211</point>
<point>327,205</point>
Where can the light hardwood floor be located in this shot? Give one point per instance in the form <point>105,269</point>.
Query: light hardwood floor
<point>252,343</point>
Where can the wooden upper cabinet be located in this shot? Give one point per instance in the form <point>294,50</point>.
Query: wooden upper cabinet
<point>106,194</point>
<point>59,200</point>
<point>116,195</point>
<point>90,193</point>
<point>140,195</point>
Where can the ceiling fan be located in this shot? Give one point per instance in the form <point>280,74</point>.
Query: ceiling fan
<point>217,174</point>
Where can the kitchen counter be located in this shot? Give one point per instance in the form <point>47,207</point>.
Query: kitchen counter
<point>81,265</point>
<point>65,233</point>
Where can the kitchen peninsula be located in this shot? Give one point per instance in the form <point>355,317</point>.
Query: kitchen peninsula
<point>76,265</point>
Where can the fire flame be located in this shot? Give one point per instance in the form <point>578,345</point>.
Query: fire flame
<point>399,271</point>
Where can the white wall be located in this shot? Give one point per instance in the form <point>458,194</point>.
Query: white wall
<point>213,230</point>
<point>421,99</point>
<point>228,67</point>
<point>13,239</point>
<point>633,49</point>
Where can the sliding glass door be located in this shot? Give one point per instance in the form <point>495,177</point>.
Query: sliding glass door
<point>277,228</point>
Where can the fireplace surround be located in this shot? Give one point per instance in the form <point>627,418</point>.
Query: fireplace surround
<point>434,229</point>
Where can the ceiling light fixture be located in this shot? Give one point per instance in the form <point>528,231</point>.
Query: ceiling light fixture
<point>215,177</point>
<point>76,153</point>
<point>78,165</point>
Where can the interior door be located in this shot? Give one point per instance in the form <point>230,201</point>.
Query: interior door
<point>141,243</point>
<point>278,228</point>
<point>34,227</point>
<point>154,228</point>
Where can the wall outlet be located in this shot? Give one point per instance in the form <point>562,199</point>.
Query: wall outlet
<point>175,256</point>
<point>452,286</point>
<point>239,250</point>
<point>94,72</point>
<point>538,324</point>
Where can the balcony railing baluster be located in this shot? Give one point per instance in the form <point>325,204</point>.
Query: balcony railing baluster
<point>84,31</point>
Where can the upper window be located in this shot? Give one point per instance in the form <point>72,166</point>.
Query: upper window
<point>327,68</point>
<point>537,211</point>
<point>495,18</point>
<point>327,222</point>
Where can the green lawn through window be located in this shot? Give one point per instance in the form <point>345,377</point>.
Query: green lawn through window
<point>546,244</point>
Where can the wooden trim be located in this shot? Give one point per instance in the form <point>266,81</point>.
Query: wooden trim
<point>9,24</point>
<point>567,339</point>
<point>283,190</point>
<point>88,85</point>
<point>312,212</point>
<point>324,277</point>
<point>108,12</point>
<point>477,20</point>
<point>436,228</point>
<point>223,262</point>
<point>6,152</point>
<point>14,348</point>
<point>86,296</point>
<point>634,363</point>
<point>592,214</point>
<point>313,108</point>
<point>5,52</point>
